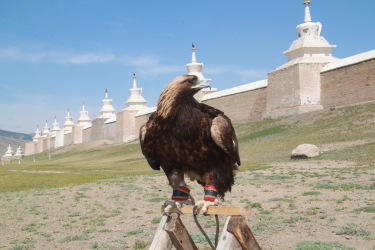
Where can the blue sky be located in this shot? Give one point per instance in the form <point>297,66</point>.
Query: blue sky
<point>54,54</point>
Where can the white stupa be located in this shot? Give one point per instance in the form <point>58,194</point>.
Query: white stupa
<point>196,68</point>
<point>37,134</point>
<point>19,153</point>
<point>310,47</point>
<point>55,128</point>
<point>84,119</point>
<point>107,111</point>
<point>46,130</point>
<point>136,100</point>
<point>69,124</point>
<point>9,152</point>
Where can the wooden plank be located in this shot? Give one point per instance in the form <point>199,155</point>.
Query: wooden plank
<point>161,239</point>
<point>227,239</point>
<point>178,234</point>
<point>220,210</point>
<point>239,228</point>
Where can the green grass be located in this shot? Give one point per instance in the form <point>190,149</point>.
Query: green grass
<point>311,193</point>
<point>344,186</point>
<point>261,143</point>
<point>140,244</point>
<point>351,230</point>
<point>135,232</point>
<point>368,209</point>
<point>321,245</point>
<point>79,237</point>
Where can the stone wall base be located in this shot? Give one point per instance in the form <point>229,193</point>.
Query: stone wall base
<point>274,114</point>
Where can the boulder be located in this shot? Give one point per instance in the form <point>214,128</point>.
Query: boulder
<point>305,151</point>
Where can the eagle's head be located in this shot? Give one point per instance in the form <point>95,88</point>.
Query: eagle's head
<point>180,90</point>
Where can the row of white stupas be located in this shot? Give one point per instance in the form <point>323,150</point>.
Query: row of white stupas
<point>134,105</point>
<point>9,155</point>
<point>135,101</point>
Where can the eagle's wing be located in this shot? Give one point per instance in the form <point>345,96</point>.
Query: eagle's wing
<point>222,132</point>
<point>147,147</point>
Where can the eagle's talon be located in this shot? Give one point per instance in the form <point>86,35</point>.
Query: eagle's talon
<point>178,204</point>
<point>204,205</point>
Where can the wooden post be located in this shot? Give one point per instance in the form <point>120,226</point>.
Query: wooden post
<point>227,240</point>
<point>236,234</point>
<point>239,228</point>
<point>179,235</point>
<point>212,210</point>
<point>161,239</point>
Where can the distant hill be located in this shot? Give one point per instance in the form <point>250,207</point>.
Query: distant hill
<point>14,139</point>
<point>15,135</point>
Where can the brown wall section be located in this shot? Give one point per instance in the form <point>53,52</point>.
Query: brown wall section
<point>242,107</point>
<point>348,85</point>
<point>283,88</point>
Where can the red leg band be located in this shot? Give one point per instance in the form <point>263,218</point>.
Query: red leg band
<point>181,194</point>
<point>210,193</point>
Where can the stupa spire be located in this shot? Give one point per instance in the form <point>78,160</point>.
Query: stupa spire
<point>46,129</point>
<point>37,133</point>
<point>310,45</point>
<point>9,151</point>
<point>69,124</point>
<point>55,128</point>
<point>134,81</point>
<point>307,11</point>
<point>195,68</point>
<point>193,57</point>
<point>84,118</point>
<point>136,100</point>
<point>107,111</point>
<point>19,152</point>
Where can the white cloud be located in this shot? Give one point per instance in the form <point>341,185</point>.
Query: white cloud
<point>18,54</point>
<point>148,64</point>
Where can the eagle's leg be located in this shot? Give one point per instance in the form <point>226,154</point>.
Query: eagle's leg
<point>181,193</point>
<point>210,199</point>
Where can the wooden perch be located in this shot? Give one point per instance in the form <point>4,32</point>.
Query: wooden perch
<point>219,210</point>
<point>239,228</point>
<point>161,239</point>
<point>178,234</point>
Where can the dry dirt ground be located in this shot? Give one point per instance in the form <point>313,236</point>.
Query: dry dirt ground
<point>291,202</point>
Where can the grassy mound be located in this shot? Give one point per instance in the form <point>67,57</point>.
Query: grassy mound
<point>346,133</point>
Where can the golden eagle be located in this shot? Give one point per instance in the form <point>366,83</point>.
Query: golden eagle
<point>185,137</point>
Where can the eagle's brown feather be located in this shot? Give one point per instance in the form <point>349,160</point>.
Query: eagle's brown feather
<point>186,136</point>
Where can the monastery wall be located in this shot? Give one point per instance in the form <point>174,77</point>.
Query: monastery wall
<point>68,138</point>
<point>30,148</point>
<point>126,126</point>
<point>59,139</point>
<point>52,142</point>
<point>86,134</point>
<point>109,131</point>
<point>77,134</point>
<point>283,88</point>
<point>242,104</point>
<point>348,84</point>
<point>97,129</point>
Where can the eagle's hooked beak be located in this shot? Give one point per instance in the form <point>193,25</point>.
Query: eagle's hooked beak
<point>205,83</point>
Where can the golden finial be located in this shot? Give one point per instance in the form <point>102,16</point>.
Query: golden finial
<point>193,47</point>
<point>306,2</point>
